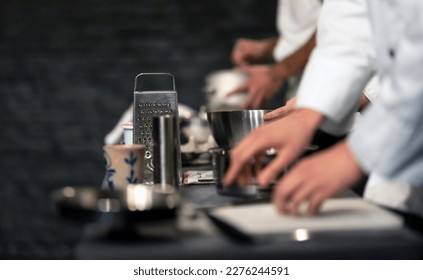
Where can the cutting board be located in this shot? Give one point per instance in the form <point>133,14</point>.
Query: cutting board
<point>336,214</point>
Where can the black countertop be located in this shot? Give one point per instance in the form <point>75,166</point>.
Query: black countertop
<point>203,239</point>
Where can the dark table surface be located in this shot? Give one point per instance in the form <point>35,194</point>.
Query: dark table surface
<point>197,237</point>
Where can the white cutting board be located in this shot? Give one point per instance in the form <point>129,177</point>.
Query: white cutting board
<point>336,214</point>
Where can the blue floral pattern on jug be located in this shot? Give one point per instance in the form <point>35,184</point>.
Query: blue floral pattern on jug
<point>109,172</point>
<point>131,162</point>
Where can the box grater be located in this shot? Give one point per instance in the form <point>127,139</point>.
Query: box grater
<point>149,104</point>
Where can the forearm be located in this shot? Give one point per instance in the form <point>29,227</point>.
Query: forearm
<point>268,46</point>
<point>296,62</point>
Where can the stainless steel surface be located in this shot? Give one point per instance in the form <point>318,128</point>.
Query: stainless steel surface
<point>220,164</point>
<point>138,198</point>
<point>149,104</point>
<point>229,127</point>
<point>166,151</point>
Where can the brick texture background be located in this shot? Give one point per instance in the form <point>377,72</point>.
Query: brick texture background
<point>67,70</point>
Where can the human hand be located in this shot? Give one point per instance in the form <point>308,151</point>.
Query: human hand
<point>262,84</point>
<point>282,111</point>
<point>288,136</point>
<point>247,174</point>
<point>315,178</point>
<point>247,51</point>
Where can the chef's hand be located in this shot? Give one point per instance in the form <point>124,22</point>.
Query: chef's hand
<point>282,111</point>
<point>247,51</point>
<point>315,178</point>
<point>263,83</point>
<point>288,136</point>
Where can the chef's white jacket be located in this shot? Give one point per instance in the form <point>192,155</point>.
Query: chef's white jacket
<point>355,39</point>
<point>400,196</point>
<point>296,21</point>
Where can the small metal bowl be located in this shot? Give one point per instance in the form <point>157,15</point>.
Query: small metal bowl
<point>133,204</point>
<point>230,127</point>
<point>220,164</point>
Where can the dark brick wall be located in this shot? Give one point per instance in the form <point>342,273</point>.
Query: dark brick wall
<point>66,74</point>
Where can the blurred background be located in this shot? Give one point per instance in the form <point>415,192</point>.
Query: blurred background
<point>66,76</point>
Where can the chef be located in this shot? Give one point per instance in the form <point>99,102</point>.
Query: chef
<point>296,25</point>
<point>355,39</point>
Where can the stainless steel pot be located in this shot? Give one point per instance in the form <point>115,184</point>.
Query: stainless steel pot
<point>230,127</point>
<point>220,164</point>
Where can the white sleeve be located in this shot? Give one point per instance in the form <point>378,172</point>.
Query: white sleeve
<point>389,138</point>
<point>296,22</point>
<point>340,65</point>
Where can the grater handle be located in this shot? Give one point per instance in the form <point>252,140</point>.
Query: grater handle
<point>141,75</point>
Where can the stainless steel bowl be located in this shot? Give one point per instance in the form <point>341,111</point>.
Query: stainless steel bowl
<point>133,204</point>
<point>229,127</point>
<point>220,164</point>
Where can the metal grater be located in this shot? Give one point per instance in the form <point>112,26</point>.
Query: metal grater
<point>149,104</point>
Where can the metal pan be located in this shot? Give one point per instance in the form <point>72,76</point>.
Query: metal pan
<point>133,204</point>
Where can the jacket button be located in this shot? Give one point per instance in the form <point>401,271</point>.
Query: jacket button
<point>391,53</point>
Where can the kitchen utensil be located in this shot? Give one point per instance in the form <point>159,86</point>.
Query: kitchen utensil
<point>166,151</point>
<point>132,204</point>
<point>336,215</point>
<point>249,188</point>
<point>124,165</point>
<point>219,84</point>
<point>229,127</point>
<point>149,104</point>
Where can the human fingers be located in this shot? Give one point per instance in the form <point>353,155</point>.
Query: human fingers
<point>301,194</point>
<point>237,168</point>
<point>283,111</point>
<point>307,182</point>
<point>240,59</point>
<point>240,89</point>
<point>258,164</point>
<point>235,172</point>
<point>249,100</point>
<point>258,100</point>
<point>295,187</point>
<point>282,192</point>
<point>315,202</point>
<point>277,113</point>
<point>252,144</point>
<point>247,69</point>
<point>236,56</point>
<point>241,177</point>
<point>325,174</point>
<point>239,53</point>
<point>258,95</point>
<point>245,177</point>
<point>276,166</point>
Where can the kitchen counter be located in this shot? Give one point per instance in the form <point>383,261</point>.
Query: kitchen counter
<point>199,238</point>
